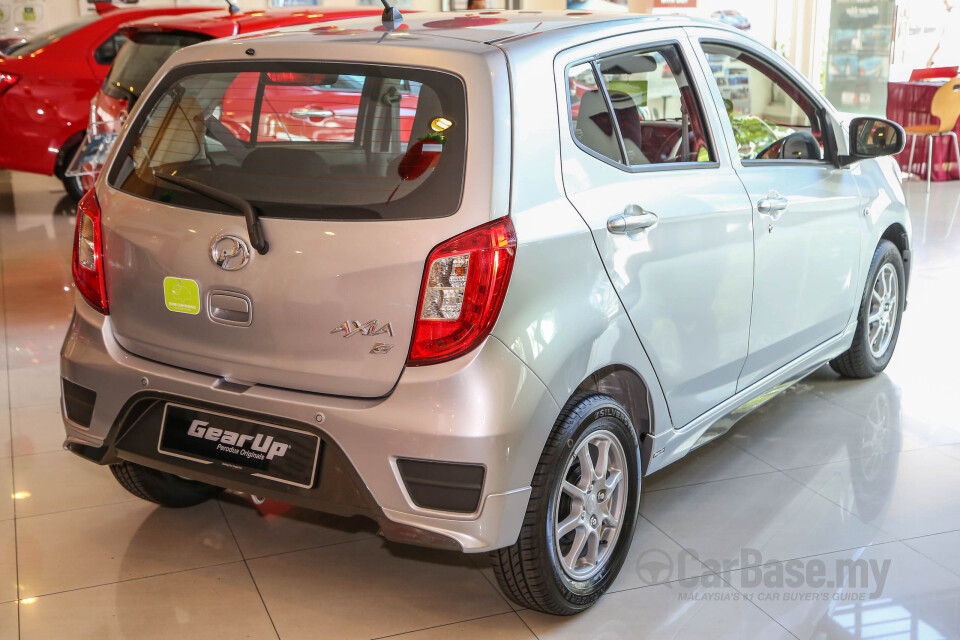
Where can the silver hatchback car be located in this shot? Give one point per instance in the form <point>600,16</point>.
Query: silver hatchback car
<point>473,277</point>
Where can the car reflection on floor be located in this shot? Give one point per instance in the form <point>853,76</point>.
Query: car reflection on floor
<point>832,473</point>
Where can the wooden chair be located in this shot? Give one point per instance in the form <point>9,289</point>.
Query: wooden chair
<point>945,107</point>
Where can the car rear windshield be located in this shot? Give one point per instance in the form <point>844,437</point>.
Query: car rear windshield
<point>39,41</point>
<point>325,141</point>
<point>140,58</point>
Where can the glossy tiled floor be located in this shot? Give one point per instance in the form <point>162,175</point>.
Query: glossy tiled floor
<point>864,472</point>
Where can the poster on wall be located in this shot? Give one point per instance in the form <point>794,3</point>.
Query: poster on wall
<point>6,22</point>
<point>26,18</point>
<point>732,18</point>
<point>400,4</point>
<point>28,15</point>
<point>858,55</point>
<point>616,6</point>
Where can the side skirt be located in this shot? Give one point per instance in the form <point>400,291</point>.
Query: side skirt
<point>676,443</point>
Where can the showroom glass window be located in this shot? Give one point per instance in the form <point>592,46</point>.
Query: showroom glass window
<point>766,110</point>
<point>657,117</point>
<point>303,140</point>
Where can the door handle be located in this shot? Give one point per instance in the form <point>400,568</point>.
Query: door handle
<point>311,113</point>
<point>772,206</point>
<point>633,219</point>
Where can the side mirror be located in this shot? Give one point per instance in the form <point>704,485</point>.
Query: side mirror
<point>872,138</point>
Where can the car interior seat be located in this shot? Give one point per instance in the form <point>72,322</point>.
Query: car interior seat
<point>595,131</point>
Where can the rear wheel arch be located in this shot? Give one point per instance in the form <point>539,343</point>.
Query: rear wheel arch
<point>628,388</point>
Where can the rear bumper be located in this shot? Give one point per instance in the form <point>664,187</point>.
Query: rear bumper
<point>486,408</point>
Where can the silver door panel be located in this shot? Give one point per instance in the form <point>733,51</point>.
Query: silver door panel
<point>561,315</point>
<point>807,251</point>
<point>686,283</point>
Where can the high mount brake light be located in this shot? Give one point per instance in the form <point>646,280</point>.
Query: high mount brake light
<point>463,289</point>
<point>7,80</point>
<point>88,254</point>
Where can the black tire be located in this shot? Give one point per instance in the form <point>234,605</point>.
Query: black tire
<point>73,187</point>
<point>530,572</point>
<point>162,488</point>
<point>858,361</point>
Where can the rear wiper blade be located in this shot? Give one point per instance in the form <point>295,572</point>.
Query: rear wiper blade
<point>254,228</point>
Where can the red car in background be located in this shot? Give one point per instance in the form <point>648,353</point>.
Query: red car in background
<point>151,42</point>
<point>298,107</point>
<point>46,84</point>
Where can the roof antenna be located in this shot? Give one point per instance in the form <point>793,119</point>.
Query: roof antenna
<point>391,17</point>
<point>232,7</point>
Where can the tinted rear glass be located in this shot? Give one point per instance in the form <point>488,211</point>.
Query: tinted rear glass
<point>140,58</point>
<point>37,42</point>
<point>302,140</point>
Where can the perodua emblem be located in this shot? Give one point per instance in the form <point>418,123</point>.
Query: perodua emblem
<point>230,253</point>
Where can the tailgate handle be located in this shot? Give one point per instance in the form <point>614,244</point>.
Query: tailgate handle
<point>228,307</point>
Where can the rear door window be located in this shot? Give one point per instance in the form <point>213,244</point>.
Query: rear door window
<point>302,140</point>
<point>658,119</point>
<point>590,114</point>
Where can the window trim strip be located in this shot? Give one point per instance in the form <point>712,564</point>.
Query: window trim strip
<point>614,123</point>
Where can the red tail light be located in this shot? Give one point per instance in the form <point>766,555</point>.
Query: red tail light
<point>88,254</point>
<point>7,80</point>
<point>463,289</point>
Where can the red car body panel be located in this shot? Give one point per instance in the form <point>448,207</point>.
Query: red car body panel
<point>220,25</point>
<point>291,112</point>
<point>50,105</point>
<point>223,24</point>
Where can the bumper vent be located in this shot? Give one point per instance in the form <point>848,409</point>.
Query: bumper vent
<point>78,402</point>
<point>444,486</point>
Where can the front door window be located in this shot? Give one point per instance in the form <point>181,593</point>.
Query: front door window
<point>771,118</point>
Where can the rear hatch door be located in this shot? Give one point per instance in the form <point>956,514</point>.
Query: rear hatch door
<point>350,206</point>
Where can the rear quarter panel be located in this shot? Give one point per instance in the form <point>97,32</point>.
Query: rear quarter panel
<point>562,315</point>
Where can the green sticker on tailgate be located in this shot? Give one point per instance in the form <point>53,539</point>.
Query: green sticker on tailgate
<point>181,295</point>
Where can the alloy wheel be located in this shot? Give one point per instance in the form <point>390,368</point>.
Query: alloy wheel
<point>590,505</point>
<point>884,307</point>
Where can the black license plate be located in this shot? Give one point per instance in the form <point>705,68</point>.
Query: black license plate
<point>263,450</point>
